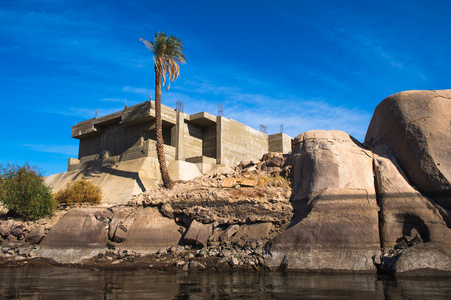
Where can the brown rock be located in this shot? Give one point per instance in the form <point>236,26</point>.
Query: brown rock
<point>78,228</point>
<point>229,232</point>
<point>121,230</point>
<point>105,216</point>
<point>36,235</point>
<point>78,235</point>
<point>6,245</point>
<point>5,228</point>
<point>11,238</point>
<point>255,162</point>
<point>198,234</point>
<point>253,232</point>
<point>167,210</point>
<point>17,229</point>
<point>119,215</point>
<point>416,260</point>
<point>277,160</point>
<point>244,164</point>
<point>404,211</point>
<point>215,236</point>
<point>151,232</point>
<point>336,214</point>
<point>120,234</point>
<point>415,125</point>
<point>195,265</point>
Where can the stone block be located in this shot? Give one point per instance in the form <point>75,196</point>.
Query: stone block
<point>198,234</point>
<point>151,232</point>
<point>229,232</point>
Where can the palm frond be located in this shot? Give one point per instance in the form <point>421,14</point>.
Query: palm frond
<point>167,52</point>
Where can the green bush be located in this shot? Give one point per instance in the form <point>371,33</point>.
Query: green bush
<point>78,192</point>
<point>23,192</point>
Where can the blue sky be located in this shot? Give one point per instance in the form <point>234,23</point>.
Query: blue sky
<point>304,64</point>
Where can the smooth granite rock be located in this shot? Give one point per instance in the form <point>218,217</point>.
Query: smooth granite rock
<point>404,211</point>
<point>416,126</point>
<point>77,236</point>
<point>335,225</point>
<point>151,232</point>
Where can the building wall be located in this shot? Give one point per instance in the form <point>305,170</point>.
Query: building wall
<point>127,134</point>
<point>192,140</point>
<point>239,142</point>
<point>120,139</point>
<point>90,146</point>
<point>280,142</point>
<point>209,142</point>
<point>151,151</point>
<point>167,135</point>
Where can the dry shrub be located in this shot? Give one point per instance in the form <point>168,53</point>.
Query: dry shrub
<point>259,192</point>
<point>278,181</point>
<point>24,193</point>
<point>81,191</point>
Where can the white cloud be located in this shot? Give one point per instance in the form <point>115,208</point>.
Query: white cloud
<point>304,116</point>
<point>112,100</point>
<point>295,113</point>
<point>135,90</point>
<point>70,150</point>
<point>86,113</point>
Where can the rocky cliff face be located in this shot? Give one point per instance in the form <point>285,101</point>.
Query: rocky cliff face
<point>386,201</point>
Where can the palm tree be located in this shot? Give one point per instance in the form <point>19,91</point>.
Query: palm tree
<point>167,52</point>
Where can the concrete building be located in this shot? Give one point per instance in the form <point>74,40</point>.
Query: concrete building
<point>118,151</point>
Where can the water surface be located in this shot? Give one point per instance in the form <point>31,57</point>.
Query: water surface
<point>69,283</point>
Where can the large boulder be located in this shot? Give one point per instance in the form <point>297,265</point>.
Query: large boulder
<point>335,225</point>
<point>409,221</point>
<point>77,236</point>
<point>151,232</point>
<point>416,126</point>
<point>405,213</point>
<point>253,232</point>
<point>425,259</point>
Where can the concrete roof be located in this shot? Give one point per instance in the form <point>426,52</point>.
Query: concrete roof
<point>202,119</point>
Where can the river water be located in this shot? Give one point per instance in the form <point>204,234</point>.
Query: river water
<point>69,283</point>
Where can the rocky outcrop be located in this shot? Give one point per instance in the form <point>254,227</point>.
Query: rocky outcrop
<point>20,238</point>
<point>335,224</point>
<point>77,236</point>
<point>410,135</point>
<point>415,125</point>
<point>405,213</point>
<point>390,198</point>
<point>230,225</point>
<point>150,232</point>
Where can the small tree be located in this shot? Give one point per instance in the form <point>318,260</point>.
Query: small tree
<point>23,192</point>
<point>78,192</point>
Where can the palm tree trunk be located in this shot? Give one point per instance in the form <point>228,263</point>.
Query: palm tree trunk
<point>168,183</point>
